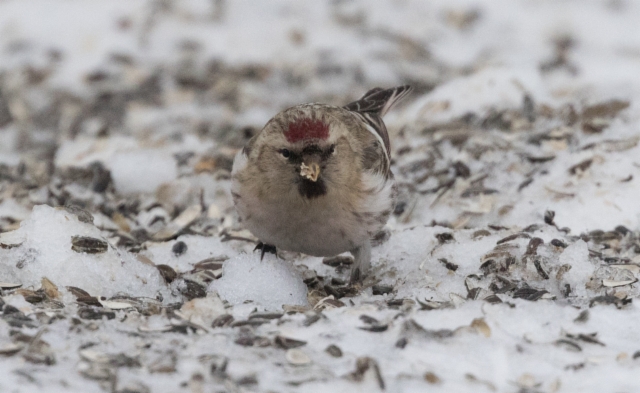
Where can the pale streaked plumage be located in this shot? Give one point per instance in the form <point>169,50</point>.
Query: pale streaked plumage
<point>316,179</point>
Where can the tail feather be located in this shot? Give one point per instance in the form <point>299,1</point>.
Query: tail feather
<point>378,100</point>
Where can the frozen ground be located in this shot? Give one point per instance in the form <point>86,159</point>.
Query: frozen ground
<point>510,263</point>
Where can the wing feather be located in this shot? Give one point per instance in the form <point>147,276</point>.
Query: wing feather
<point>378,100</point>
<point>372,106</point>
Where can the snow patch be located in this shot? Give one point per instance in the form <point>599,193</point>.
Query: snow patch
<point>577,256</point>
<point>142,170</point>
<point>46,251</point>
<point>271,283</point>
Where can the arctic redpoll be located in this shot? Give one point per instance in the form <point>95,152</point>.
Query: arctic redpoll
<point>316,179</point>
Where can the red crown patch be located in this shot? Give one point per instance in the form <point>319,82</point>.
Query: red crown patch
<point>303,129</point>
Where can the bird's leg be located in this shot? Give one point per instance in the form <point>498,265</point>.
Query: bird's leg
<point>361,263</point>
<point>264,248</point>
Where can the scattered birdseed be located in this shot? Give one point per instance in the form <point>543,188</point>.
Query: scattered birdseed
<point>297,357</point>
<point>473,175</point>
<point>339,261</point>
<point>288,343</point>
<point>334,351</point>
<point>381,289</point>
<point>88,244</point>
<point>179,248</point>
<point>431,378</point>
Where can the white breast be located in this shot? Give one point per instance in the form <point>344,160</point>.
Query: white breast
<point>323,226</point>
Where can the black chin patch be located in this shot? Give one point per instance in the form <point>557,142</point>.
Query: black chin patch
<point>312,189</point>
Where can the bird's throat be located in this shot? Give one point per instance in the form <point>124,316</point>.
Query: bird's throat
<point>312,189</point>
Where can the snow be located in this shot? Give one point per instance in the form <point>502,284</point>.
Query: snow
<point>269,283</point>
<point>45,250</point>
<point>577,256</point>
<point>494,138</point>
<point>203,311</point>
<point>198,249</point>
<point>141,171</point>
<point>499,87</point>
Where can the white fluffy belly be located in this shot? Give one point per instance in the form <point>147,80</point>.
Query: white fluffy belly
<point>312,228</point>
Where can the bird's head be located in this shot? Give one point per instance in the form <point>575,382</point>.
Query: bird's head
<point>305,151</point>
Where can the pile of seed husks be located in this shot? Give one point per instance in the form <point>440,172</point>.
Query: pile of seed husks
<point>454,279</point>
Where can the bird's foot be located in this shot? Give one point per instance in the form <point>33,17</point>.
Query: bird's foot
<point>264,248</point>
<point>361,263</point>
<point>356,276</point>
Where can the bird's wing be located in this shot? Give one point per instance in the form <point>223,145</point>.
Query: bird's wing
<point>372,106</point>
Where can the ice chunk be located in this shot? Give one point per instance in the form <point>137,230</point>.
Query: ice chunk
<point>577,256</point>
<point>270,283</point>
<point>142,170</point>
<point>46,251</point>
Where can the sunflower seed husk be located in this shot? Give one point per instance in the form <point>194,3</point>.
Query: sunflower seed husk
<point>167,272</point>
<point>297,357</point>
<point>88,245</point>
<point>114,305</point>
<point>10,349</point>
<point>9,285</point>
<point>334,351</point>
<point>288,343</point>
<point>180,223</point>
<point>635,269</point>
<point>614,283</point>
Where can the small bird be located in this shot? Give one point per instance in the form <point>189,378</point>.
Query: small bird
<point>316,179</point>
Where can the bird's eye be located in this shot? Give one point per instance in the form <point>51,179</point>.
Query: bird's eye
<point>285,153</point>
<point>332,149</point>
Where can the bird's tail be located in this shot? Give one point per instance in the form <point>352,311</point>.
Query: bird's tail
<point>378,100</point>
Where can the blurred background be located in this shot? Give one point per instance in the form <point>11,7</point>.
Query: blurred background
<point>103,100</point>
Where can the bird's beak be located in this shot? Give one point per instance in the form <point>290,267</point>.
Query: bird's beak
<point>311,172</point>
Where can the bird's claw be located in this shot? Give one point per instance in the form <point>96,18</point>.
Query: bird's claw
<point>264,248</point>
